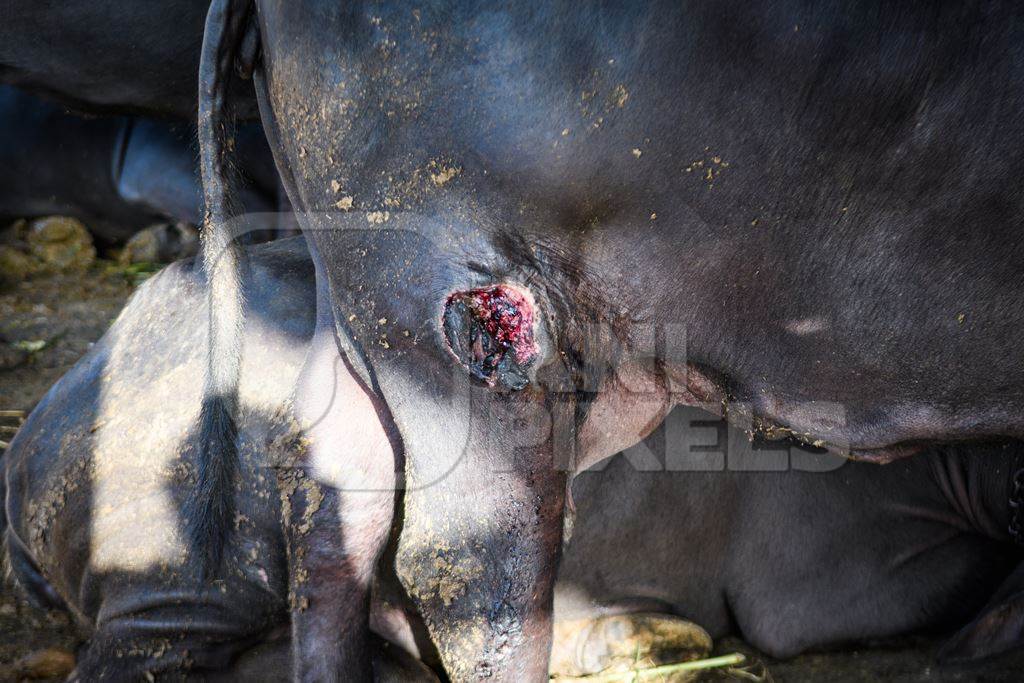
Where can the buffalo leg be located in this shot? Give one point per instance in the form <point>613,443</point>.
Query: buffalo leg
<point>337,494</point>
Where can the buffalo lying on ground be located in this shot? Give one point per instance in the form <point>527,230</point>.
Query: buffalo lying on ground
<point>538,227</point>
<point>803,216</point>
<point>815,554</point>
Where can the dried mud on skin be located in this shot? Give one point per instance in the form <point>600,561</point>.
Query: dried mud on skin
<point>68,312</point>
<point>71,311</point>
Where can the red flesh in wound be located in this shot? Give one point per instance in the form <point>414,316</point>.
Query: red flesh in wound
<point>506,315</point>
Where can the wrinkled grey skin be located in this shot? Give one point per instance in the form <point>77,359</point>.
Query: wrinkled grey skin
<point>790,560</point>
<point>804,214</point>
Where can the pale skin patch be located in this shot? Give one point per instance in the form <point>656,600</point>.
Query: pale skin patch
<point>348,450</point>
<point>135,521</point>
<point>630,406</point>
<point>804,326</point>
<point>338,501</point>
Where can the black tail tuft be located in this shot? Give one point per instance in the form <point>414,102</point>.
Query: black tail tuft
<point>209,509</point>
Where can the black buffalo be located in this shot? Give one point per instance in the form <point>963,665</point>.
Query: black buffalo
<point>808,556</point>
<point>804,216</point>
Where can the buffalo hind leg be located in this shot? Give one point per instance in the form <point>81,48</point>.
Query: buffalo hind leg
<point>328,599</point>
<point>337,489</point>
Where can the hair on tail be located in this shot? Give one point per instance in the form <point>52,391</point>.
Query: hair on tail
<point>210,504</point>
<point>209,509</point>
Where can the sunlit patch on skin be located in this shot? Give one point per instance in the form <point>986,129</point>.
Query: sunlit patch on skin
<point>490,331</point>
<point>134,521</point>
<point>806,326</point>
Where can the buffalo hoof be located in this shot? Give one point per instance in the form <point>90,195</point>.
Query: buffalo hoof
<point>626,642</point>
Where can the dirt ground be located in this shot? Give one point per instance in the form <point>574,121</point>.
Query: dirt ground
<point>48,322</point>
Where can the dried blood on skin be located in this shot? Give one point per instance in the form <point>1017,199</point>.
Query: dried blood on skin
<point>506,316</point>
<point>490,329</point>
